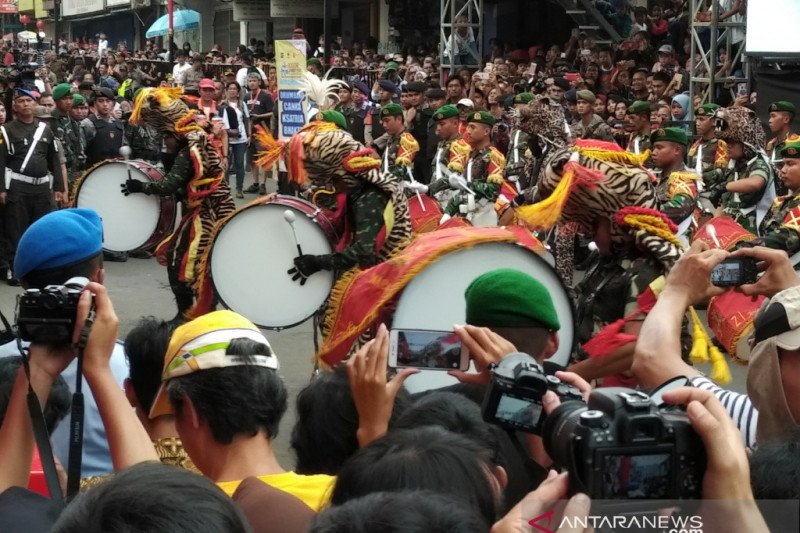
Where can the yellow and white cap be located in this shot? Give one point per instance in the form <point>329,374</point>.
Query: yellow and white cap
<point>202,344</point>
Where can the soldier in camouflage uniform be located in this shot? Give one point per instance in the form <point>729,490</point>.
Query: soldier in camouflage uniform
<point>451,152</point>
<point>401,149</point>
<point>145,142</point>
<point>781,227</point>
<point>781,115</point>
<point>588,124</point>
<point>68,132</point>
<point>676,190</point>
<point>197,179</point>
<point>709,156</point>
<point>484,170</point>
<point>517,148</point>
<point>637,124</point>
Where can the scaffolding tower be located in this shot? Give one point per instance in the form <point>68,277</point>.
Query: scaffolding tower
<point>703,74</point>
<point>456,51</point>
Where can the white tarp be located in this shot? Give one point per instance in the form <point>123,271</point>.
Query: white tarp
<point>772,27</point>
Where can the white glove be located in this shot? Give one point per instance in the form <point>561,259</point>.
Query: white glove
<point>416,186</point>
<point>458,183</point>
<point>444,219</point>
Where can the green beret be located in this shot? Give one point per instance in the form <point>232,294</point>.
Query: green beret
<point>78,99</point>
<point>640,107</point>
<point>523,98</point>
<point>706,110</point>
<point>675,135</point>
<point>782,105</point>
<point>791,149</point>
<point>314,61</point>
<point>391,65</point>
<point>586,96</point>
<point>61,90</point>
<point>391,110</point>
<point>509,298</point>
<point>481,117</point>
<point>334,117</point>
<point>446,111</point>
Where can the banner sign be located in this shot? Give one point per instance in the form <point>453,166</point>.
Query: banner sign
<point>290,62</point>
<point>70,8</point>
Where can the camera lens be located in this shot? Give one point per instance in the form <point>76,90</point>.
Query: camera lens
<point>558,430</point>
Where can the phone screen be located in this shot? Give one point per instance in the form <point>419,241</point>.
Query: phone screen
<point>426,349</point>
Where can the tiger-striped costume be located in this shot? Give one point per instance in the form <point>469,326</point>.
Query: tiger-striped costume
<point>197,176</point>
<point>322,157</point>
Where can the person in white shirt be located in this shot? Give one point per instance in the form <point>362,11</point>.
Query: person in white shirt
<point>102,45</point>
<point>180,68</point>
<point>241,74</point>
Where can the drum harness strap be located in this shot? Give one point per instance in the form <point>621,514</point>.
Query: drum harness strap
<point>20,176</point>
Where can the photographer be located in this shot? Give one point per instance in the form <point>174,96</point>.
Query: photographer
<point>57,247</point>
<point>772,405</point>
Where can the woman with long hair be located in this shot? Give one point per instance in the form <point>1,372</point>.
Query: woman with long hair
<point>236,121</point>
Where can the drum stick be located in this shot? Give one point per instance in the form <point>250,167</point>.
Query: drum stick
<point>419,196</point>
<point>712,232</point>
<point>125,151</point>
<point>288,216</point>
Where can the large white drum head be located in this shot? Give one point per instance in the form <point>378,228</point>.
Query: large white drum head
<point>128,221</point>
<point>249,261</point>
<point>434,299</point>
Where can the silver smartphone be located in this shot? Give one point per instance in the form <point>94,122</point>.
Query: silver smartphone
<point>427,349</point>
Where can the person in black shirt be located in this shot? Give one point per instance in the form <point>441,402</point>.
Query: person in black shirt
<point>259,106</point>
<point>105,134</point>
<point>29,160</point>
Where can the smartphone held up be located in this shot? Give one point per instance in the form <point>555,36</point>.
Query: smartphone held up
<point>427,349</point>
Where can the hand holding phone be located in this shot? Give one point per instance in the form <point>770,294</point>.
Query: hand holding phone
<point>427,349</point>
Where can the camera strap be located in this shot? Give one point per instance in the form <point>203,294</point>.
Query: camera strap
<point>41,436</point>
<point>76,418</point>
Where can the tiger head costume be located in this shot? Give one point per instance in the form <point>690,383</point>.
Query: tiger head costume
<point>596,179</point>
<point>544,121</point>
<point>740,124</point>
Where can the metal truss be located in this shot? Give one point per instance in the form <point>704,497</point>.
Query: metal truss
<point>451,10</point>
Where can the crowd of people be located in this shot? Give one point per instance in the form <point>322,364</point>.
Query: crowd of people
<point>592,155</point>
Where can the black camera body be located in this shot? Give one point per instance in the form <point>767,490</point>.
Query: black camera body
<point>513,399</point>
<point>47,316</point>
<point>621,446</point>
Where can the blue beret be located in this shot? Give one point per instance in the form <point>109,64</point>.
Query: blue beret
<point>361,87</point>
<point>387,85</point>
<point>59,239</point>
<point>20,92</point>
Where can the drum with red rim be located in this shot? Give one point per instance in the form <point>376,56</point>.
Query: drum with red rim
<point>252,252</point>
<point>134,222</point>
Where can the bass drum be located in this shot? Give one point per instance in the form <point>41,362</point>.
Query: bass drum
<point>134,222</point>
<point>434,299</point>
<point>252,252</point>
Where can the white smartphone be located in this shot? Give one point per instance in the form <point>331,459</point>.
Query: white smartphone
<point>427,349</point>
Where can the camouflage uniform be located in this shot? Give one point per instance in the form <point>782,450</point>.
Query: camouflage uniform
<point>608,293</point>
<point>597,129</point>
<point>484,173</point>
<point>742,207</point>
<point>642,142</point>
<point>515,163</point>
<point>73,141</point>
<point>364,213</point>
<point>774,147</point>
<point>453,156</point>
<point>781,227</point>
<point>398,157</point>
<point>144,141</point>
<point>677,194</point>
<point>713,162</point>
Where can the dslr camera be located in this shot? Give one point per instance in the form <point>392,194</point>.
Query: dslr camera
<point>621,446</point>
<point>47,316</point>
<point>514,397</point>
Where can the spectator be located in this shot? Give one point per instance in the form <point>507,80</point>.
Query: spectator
<point>228,410</point>
<point>237,125</point>
<point>180,68</point>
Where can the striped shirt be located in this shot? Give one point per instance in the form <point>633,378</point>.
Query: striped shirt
<point>738,405</point>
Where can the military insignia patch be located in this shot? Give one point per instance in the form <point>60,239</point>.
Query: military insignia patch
<point>476,116</point>
<point>438,116</point>
<point>791,151</point>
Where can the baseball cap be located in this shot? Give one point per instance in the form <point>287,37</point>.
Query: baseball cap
<point>202,344</point>
<point>466,102</point>
<point>207,83</point>
<point>665,49</point>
